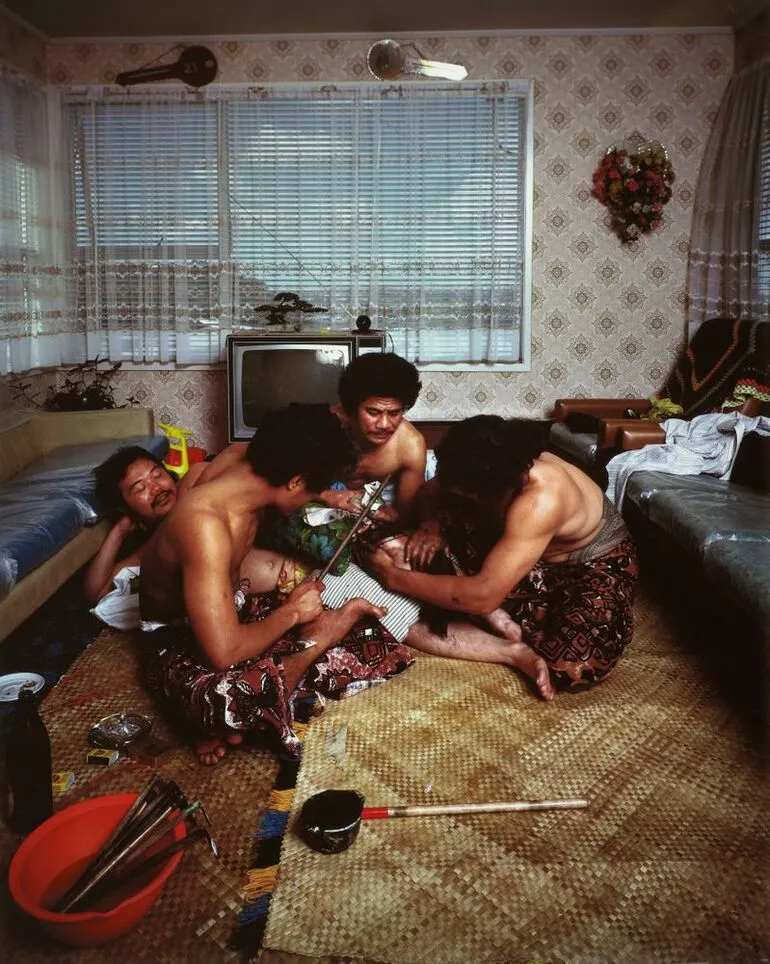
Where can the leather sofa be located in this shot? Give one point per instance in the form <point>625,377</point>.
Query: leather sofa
<point>49,517</point>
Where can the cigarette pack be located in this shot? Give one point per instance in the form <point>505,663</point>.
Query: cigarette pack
<point>101,757</point>
<point>62,781</point>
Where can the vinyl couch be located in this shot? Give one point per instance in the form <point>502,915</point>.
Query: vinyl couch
<point>49,517</point>
<point>719,528</point>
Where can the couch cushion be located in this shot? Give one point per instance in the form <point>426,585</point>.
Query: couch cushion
<point>698,510</point>
<point>18,446</point>
<point>90,455</point>
<point>34,526</point>
<point>740,569</point>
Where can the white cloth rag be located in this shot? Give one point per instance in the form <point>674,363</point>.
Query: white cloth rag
<point>120,607</point>
<point>706,445</point>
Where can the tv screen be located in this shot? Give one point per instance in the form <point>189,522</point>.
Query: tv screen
<point>270,371</point>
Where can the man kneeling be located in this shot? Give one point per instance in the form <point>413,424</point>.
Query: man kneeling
<point>230,662</point>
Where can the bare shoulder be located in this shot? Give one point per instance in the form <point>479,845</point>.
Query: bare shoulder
<point>542,505</point>
<point>411,443</point>
<point>195,526</point>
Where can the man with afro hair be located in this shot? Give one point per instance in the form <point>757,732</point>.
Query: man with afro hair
<point>375,392</point>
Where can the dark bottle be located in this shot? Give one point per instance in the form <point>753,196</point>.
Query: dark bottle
<point>28,767</point>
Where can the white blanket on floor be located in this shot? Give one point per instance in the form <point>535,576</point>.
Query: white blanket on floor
<point>706,445</point>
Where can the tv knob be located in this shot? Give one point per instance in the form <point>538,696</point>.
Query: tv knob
<point>363,323</point>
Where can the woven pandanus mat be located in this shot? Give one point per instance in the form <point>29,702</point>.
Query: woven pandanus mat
<point>668,863</point>
<point>194,918</point>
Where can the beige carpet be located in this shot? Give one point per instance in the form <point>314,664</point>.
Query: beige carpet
<point>668,863</point>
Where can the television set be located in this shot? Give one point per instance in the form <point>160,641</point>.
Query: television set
<point>267,371</point>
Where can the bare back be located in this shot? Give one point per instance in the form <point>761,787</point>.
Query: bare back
<point>582,504</point>
<point>202,528</point>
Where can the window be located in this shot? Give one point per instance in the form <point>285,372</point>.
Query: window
<point>410,204</point>
<point>36,327</point>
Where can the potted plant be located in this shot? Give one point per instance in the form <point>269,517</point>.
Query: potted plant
<point>87,387</point>
<point>287,303</point>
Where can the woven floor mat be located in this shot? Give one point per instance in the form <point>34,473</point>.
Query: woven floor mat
<point>668,863</point>
<point>194,919</point>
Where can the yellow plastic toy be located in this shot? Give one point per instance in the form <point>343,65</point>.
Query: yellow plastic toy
<point>177,460</point>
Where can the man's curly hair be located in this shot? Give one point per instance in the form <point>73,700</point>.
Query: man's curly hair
<point>488,455</point>
<point>111,473</point>
<point>302,439</point>
<point>378,375</point>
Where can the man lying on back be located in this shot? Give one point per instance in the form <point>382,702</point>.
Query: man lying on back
<point>136,492</point>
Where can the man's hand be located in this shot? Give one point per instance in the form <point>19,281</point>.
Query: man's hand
<point>423,545</point>
<point>123,526</point>
<point>305,601</point>
<point>349,500</point>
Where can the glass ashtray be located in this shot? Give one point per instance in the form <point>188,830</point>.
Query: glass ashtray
<point>120,730</point>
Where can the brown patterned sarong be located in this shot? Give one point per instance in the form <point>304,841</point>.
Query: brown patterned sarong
<point>215,702</point>
<point>577,615</point>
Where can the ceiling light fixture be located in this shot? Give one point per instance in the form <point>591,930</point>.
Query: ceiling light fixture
<point>388,60</point>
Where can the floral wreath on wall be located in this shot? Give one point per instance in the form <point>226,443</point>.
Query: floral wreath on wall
<point>634,185</point>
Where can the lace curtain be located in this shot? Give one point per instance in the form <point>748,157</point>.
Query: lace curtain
<point>38,326</point>
<point>408,203</point>
<point>729,269</point>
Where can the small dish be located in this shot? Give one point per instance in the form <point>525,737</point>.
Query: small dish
<point>120,730</point>
<point>12,684</point>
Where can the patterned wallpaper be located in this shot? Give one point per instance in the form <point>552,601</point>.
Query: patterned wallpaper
<point>607,319</point>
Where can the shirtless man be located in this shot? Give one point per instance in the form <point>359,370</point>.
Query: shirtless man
<point>224,675</point>
<point>137,493</point>
<point>534,535</point>
<point>375,391</point>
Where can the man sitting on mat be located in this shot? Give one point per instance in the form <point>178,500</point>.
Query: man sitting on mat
<point>232,662</point>
<point>534,535</point>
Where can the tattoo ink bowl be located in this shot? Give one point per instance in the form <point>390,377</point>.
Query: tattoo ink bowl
<point>329,821</point>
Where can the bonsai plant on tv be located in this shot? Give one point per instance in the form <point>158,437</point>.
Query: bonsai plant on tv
<point>288,303</point>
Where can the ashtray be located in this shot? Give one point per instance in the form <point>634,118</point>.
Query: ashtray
<point>120,730</point>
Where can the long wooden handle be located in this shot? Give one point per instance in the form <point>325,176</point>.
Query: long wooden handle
<point>382,813</point>
<point>355,527</point>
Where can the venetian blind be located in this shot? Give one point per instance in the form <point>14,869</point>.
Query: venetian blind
<point>410,204</point>
<point>405,203</point>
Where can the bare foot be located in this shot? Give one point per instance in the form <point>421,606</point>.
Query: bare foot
<point>523,657</point>
<point>212,750</point>
<point>329,628</point>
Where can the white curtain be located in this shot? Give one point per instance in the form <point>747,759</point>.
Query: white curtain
<point>150,232</point>
<point>408,203</point>
<point>38,324</point>
<point>729,269</point>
